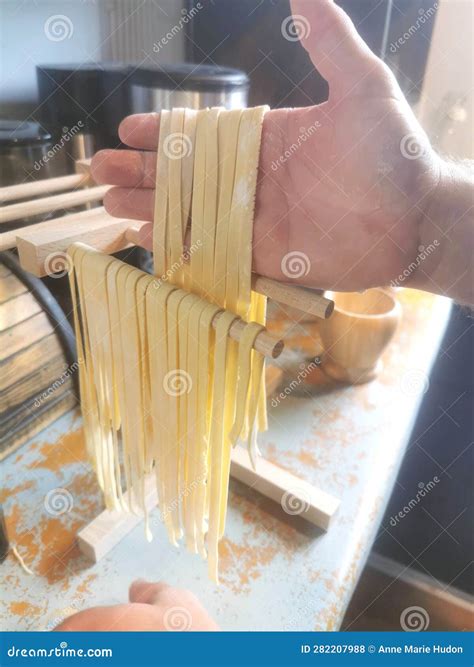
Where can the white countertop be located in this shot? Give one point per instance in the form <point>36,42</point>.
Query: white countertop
<point>277,571</point>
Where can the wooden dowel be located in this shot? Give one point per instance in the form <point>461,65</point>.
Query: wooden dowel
<point>54,203</point>
<point>265,343</point>
<point>83,166</point>
<point>102,232</point>
<point>301,298</point>
<point>42,187</point>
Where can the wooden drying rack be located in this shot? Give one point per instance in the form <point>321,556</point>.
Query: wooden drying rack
<point>38,243</point>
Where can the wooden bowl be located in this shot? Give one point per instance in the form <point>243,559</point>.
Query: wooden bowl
<point>357,333</point>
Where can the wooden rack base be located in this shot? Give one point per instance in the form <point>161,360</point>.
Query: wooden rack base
<point>42,249</point>
<point>100,536</point>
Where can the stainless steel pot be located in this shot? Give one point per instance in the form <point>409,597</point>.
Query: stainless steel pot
<point>24,148</point>
<point>188,85</point>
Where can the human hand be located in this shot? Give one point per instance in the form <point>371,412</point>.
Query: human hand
<point>152,607</point>
<point>340,199</point>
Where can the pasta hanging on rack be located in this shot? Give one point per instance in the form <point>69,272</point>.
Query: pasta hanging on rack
<point>165,388</point>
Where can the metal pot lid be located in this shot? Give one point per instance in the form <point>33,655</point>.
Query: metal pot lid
<point>21,133</point>
<point>190,76</point>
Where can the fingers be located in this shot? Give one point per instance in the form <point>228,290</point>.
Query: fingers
<point>137,169</point>
<point>136,204</point>
<point>117,618</point>
<point>333,44</point>
<point>140,131</point>
<point>133,169</point>
<point>145,591</point>
<point>179,609</point>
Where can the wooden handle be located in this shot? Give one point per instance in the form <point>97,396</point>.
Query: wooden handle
<point>43,187</point>
<point>301,298</point>
<point>54,203</point>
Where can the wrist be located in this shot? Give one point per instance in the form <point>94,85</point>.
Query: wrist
<point>446,235</point>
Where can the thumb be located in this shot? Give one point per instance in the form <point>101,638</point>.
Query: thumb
<point>335,47</point>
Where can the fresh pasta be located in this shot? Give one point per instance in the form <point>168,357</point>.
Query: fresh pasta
<point>165,390</point>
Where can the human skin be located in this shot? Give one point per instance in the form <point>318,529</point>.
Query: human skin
<point>152,607</point>
<point>359,196</point>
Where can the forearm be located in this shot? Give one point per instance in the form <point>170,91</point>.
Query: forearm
<point>447,236</point>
